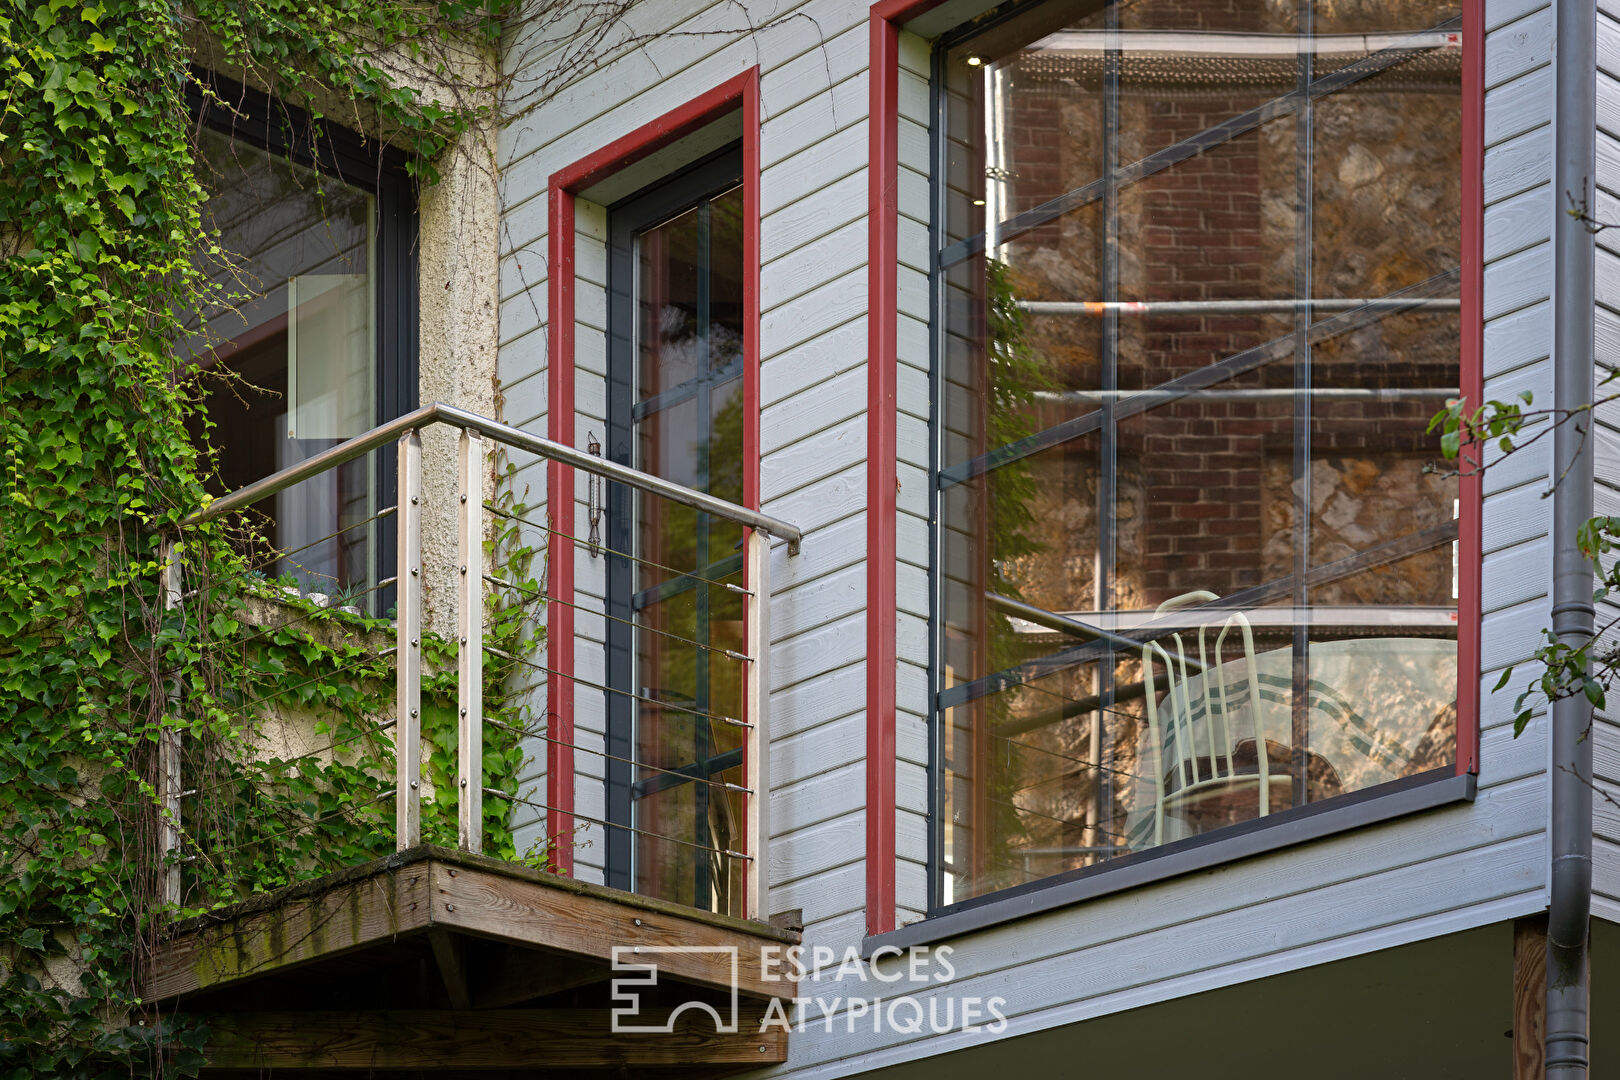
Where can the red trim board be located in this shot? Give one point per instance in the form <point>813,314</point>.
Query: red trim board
<point>882,469</point>
<point>883,209</point>
<point>738,92</point>
<point>559,550</point>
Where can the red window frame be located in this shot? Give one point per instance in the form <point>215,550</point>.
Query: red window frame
<point>739,93</point>
<point>886,19</point>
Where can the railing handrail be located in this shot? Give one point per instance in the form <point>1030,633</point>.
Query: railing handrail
<point>468,571</point>
<point>440,413</point>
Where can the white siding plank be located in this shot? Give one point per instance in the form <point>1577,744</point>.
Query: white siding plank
<point>1518,164</point>
<point>1521,338</point>
<point>1519,222</point>
<point>1518,106</point>
<point>1518,48</point>
<point>1518,281</point>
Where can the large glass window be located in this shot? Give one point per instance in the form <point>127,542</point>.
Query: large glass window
<point>1197,285</point>
<point>303,354</point>
<point>675,574</point>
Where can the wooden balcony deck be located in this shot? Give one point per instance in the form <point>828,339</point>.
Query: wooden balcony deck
<point>438,961</point>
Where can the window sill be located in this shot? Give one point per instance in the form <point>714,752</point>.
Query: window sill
<point>1426,791</point>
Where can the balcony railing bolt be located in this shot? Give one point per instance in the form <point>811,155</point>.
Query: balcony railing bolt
<point>463,781</point>
<point>464,498</point>
<point>449,907</point>
<point>414,784</point>
<point>414,500</point>
<point>413,712</point>
<point>463,569</point>
<point>414,571</point>
<point>414,643</point>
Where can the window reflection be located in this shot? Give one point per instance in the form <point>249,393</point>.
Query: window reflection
<point>289,366</point>
<point>1198,283</point>
<point>683,626</point>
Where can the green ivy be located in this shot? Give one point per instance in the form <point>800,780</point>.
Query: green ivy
<point>100,225</point>
<point>1468,433</point>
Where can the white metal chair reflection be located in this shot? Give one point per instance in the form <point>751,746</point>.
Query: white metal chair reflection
<point>1198,702</point>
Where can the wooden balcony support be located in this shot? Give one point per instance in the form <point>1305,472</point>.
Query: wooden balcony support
<point>498,1039</point>
<point>434,959</point>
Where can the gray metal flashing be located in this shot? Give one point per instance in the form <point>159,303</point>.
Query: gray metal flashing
<point>1262,836</point>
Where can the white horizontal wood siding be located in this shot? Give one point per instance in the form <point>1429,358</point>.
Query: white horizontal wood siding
<point>913,399</point>
<point>590,578</point>
<point>1435,873</point>
<point>812,58</point>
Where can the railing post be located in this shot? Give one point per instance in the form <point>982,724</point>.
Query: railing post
<point>169,748</point>
<point>408,648</point>
<point>756,702</point>
<point>470,626</point>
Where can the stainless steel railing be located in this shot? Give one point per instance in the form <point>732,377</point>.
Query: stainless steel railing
<point>477,432</point>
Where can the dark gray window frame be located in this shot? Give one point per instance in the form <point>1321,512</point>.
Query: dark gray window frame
<point>286,131</point>
<point>652,205</point>
<point>1300,824</point>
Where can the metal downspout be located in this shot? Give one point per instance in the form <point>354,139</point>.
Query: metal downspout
<point>1570,883</point>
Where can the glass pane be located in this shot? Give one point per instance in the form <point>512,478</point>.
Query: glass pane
<point>668,286</point>
<point>688,428</point>
<point>289,366</point>
<point>1198,305</point>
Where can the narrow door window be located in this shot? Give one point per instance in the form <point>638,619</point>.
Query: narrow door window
<point>676,633</point>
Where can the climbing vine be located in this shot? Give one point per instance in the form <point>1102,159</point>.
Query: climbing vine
<point>101,229</point>
<point>281,701</point>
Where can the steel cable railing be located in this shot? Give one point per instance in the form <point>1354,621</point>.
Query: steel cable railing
<point>471,586</point>
<point>250,571</point>
<point>719,718</point>
<point>604,549</point>
<point>621,826</point>
<point>640,626</point>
